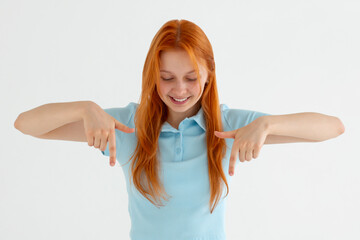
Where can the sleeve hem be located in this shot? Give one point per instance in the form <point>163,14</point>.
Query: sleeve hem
<point>226,120</point>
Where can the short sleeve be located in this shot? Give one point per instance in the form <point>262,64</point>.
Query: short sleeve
<point>237,118</point>
<point>123,115</point>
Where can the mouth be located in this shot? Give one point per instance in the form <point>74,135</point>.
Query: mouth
<point>179,101</point>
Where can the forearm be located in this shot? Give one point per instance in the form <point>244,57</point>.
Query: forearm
<point>50,116</point>
<point>307,125</point>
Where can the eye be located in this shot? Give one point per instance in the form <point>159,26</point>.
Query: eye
<point>166,79</point>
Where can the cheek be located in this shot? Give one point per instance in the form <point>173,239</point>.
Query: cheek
<point>163,90</point>
<point>196,89</point>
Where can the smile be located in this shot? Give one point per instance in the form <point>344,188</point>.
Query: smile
<point>179,101</point>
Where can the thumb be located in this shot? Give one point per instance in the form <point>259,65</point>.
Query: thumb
<point>122,127</point>
<point>228,134</point>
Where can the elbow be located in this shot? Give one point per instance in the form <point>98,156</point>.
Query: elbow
<point>337,129</point>
<point>341,127</point>
<point>17,123</point>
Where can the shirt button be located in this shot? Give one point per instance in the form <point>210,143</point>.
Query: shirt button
<point>178,150</point>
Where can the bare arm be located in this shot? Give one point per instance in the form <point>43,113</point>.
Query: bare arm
<point>83,121</point>
<point>315,127</point>
<point>48,117</point>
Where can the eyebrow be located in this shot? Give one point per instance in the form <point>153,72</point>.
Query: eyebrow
<point>171,72</point>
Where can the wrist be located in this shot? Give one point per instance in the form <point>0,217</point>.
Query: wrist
<point>86,107</point>
<point>265,123</point>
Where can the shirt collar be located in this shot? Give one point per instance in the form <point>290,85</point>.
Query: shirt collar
<point>198,118</point>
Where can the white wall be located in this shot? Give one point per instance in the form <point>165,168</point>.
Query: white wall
<point>276,56</point>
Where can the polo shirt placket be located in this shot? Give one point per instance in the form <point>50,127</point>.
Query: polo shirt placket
<point>184,171</point>
<point>178,146</point>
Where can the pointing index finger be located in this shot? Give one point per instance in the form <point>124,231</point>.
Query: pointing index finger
<point>123,128</point>
<point>112,148</point>
<point>233,158</point>
<point>228,134</point>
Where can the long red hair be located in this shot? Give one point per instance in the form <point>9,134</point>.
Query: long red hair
<point>152,112</point>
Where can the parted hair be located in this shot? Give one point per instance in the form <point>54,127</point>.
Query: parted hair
<point>152,112</point>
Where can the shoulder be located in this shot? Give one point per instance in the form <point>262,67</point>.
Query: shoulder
<point>123,114</point>
<point>235,118</point>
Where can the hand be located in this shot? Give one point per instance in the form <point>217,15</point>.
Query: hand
<point>100,129</point>
<point>248,142</point>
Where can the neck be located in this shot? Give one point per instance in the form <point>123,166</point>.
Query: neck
<point>175,118</point>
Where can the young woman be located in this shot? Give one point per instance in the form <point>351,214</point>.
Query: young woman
<point>179,143</point>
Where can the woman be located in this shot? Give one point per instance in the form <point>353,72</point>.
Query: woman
<point>179,143</point>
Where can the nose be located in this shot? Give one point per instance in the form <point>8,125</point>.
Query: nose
<point>180,87</point>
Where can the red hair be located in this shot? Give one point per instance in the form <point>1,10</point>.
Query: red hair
<point>152,111</point>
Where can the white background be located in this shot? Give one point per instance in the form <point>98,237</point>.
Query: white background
<point>278,57</point>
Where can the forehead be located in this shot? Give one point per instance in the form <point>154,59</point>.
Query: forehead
<point>177,60</point>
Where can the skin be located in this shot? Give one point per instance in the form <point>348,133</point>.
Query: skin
<point>248,140</point>
<point>287,128</point>
<point>177,63</point>
<point>180,86</point>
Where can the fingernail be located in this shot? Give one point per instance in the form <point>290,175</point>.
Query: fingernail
<point>231,173</point>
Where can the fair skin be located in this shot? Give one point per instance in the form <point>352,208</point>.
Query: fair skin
<point>248,140</point>
<point>175,66</point>
<point>287,128</point>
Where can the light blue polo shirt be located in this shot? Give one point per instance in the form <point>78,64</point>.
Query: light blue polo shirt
<point>184,173</point>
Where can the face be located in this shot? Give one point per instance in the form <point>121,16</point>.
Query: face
<point>178,80</point>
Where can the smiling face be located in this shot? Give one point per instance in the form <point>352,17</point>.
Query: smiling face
<point>178,80</point>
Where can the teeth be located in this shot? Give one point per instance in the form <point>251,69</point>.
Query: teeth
<point>180,100</point>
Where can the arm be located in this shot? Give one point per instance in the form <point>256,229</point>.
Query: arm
<point>301,127</point>
<point>48,117</point>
